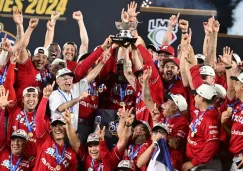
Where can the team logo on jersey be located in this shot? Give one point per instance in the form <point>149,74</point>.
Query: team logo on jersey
<point>10,36</point>
<point>157,29</point>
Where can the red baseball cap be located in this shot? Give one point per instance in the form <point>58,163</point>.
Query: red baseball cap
<point>172,59</point>
<point>167,49</point>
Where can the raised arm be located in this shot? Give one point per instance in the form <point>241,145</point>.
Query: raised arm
<point>227,60</point>
<point>208,33</point>
<point>3,103</point>
<point>168,35</point>
<point>25,41</point>
<point>127,68</point>
<point>94,72</point>
<point>51,28</point>
<point>78,16</point>
<point>41,111</point>
<point>6,49</point>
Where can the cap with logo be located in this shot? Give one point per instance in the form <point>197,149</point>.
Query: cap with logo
<point>93,137</point>
<point>179,100</point>
<point>126,164</point>
<point>142,122</point>
<point>205,90</point>
<point>239,78</point>
<point>167,49</point>
<point>207,70</point>
<point>172,59</point>
<point>19,133</point>
<point>57,61</point>
<point>161,125</point>
<point>221,92</point>
<point>30,89</point>
<point>64,71</point>
<point>41,50</point>
<point>140,69</point>
<point>58,119</point>
<point>200,58</point>
<point>152,47</point>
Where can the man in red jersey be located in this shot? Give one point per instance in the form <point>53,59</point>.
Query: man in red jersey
<point>12,153</point>
<point>165,51</point>
<point>235,115</point>
<point>52,152</point>
<point>203,137</point>
<point>140,142</point>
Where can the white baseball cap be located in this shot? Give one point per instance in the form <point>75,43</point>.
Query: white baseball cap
<point>57,61</point>
<point>221,92</point>
<point>126,164</point>
<point>207,70</point>
<point>239,78</point>
<point>41,50</point>
<point>30,89</point>
<point>180,101</point>
<point>200,56</point>
<point>70,43</point>
<point>205,90</point>
<point>20,133</point>
<point>236,58</point>
<point>93,137</point>
<point>64,71</point>
<point>58,119</point>
<point>161,125</point>
<point>142,122</point>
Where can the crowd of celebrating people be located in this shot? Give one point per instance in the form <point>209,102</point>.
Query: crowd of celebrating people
<point>67,109</point>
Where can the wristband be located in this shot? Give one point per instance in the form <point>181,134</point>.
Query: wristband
<point>3,57</point>
<point>228,67</point>
<point>128,125</point>
<point>184,32</point>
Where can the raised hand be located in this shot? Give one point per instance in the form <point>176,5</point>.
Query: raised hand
<point>6,44</point>
<point>14,57</point>
<point>106,55</point>
<point>78,16</point>
<point>67,117</point>
<point>17,16</point>
<point>101,133</point>
<point>147,74</point>
<point>216,26</point>
<point>131,9</point>
<point>33,22</point>
<point>174,20</point>
<point>4,97</point>
<point>48,90</point>
<point>227,56</point>
<point>183,24</point>
<point>124,16</point>
<point>54,16</point>
<point>107,43</point>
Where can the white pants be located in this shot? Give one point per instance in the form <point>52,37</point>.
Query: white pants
<point>212,165</point>
<point>234,166</point>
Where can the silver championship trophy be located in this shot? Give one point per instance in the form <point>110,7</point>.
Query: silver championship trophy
<point>125,38</point>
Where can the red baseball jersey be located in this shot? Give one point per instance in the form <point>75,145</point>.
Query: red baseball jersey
<point>236,140</point>
<point>89,105</point>
<point>207,130</point>
<point>221,80</point>
<point>143,147</point>
<point>178,128</point>
<point>28,76</point>
<point>25,164</point>
<point>109,159</point>
<point>46,155</point>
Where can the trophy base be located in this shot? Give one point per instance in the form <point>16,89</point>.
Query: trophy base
<point>123,41</point>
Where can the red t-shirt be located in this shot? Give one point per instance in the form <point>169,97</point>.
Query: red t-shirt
<point>178,128</point>
<point>221,80</point>
<point>236,140</point>
<point>17,120</point>
<point>27,76</point>
<point>46,155</point>
<point>109,159</point>
<point>25,164</point>
<point>207,130</point>
<point>89,105</point>
<point>135,155</point>
<point>71,65</point>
